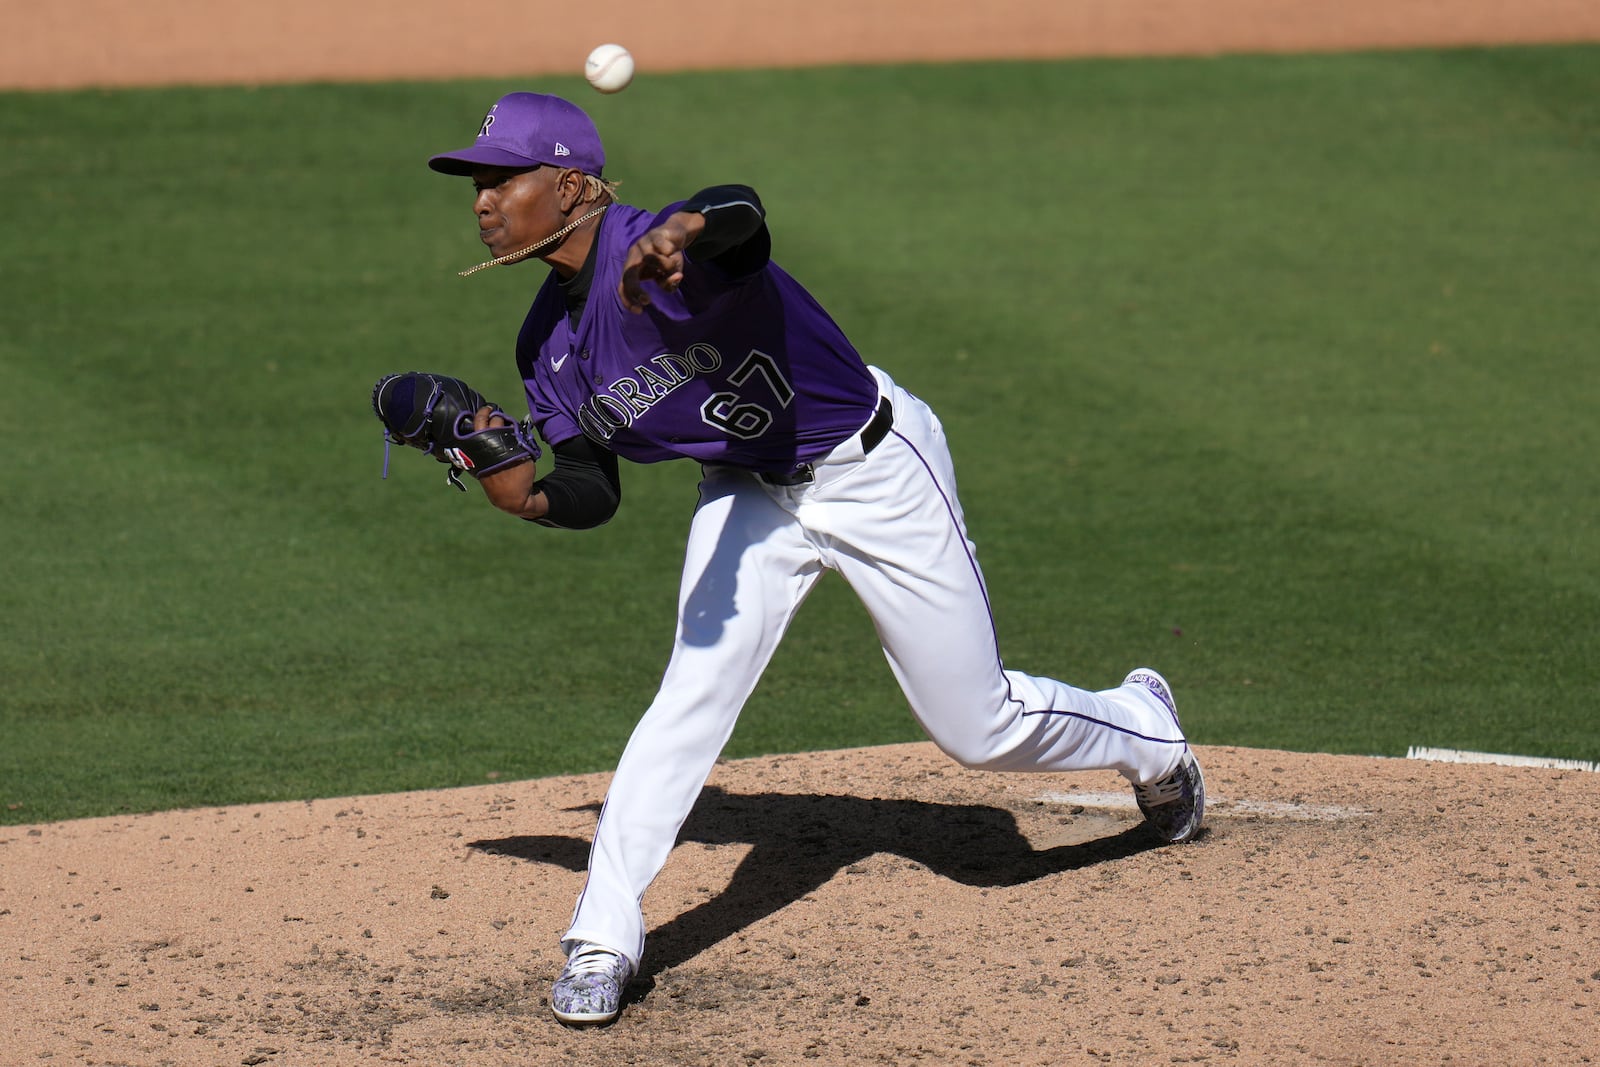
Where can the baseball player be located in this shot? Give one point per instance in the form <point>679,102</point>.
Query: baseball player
<point>664,334</point>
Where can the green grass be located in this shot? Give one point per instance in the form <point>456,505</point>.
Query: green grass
<point>1277,373</point>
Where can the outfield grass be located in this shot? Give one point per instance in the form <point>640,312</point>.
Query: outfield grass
<point>1276,373</point>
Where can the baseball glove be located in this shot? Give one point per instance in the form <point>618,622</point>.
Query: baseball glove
<point>433,413</point>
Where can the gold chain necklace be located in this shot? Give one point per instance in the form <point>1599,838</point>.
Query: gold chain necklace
<point>512,257</point>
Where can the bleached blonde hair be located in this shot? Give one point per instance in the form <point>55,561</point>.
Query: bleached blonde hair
<point>596,187</point>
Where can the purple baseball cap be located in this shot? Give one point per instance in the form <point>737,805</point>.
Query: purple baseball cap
<point>526,130</point>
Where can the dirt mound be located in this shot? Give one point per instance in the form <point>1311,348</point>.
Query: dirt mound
<point>868,906</point>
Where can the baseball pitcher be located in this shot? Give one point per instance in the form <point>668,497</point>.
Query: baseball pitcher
<point>656,335</point>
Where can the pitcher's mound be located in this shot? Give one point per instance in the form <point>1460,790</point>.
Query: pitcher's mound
<point>874,906</point>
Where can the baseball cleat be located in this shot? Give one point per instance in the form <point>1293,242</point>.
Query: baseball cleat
<point>1175,805</point>
<point>589,989</point>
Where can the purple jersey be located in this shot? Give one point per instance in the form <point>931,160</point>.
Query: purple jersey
<point>749,372</point>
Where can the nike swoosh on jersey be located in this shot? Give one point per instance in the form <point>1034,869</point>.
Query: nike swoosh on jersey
<point>555,364</point>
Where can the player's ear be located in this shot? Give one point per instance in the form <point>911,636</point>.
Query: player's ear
<point>569,186</point>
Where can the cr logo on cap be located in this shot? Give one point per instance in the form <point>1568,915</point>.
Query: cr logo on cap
<point>488,120</point>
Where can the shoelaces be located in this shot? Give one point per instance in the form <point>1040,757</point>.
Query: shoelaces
<point>1164,791</point>
<point>594,959</point>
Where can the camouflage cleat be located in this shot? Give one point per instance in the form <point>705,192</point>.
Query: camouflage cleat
<point>589,989</point>
<point>1175,805</point>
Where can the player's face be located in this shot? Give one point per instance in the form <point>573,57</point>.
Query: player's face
<point>515,208</point>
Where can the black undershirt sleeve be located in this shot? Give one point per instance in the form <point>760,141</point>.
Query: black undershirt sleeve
<point>735,237</point>
<point>583,489</point>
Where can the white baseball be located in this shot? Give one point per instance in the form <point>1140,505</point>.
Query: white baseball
<point>609,68</point>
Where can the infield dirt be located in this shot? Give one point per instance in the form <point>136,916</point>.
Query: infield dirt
<point>877,906</point>
<point>851,907</point>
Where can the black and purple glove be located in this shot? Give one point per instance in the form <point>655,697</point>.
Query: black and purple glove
<point>433,413</point>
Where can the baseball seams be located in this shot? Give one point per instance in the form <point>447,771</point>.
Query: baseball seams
<point>609,68</point>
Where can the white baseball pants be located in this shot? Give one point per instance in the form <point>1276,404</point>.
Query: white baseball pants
<point>889,522</point>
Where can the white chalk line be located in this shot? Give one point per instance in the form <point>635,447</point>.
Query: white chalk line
<point>1456,755</point>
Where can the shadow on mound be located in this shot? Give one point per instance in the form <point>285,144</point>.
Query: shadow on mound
<point>801,841</point>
